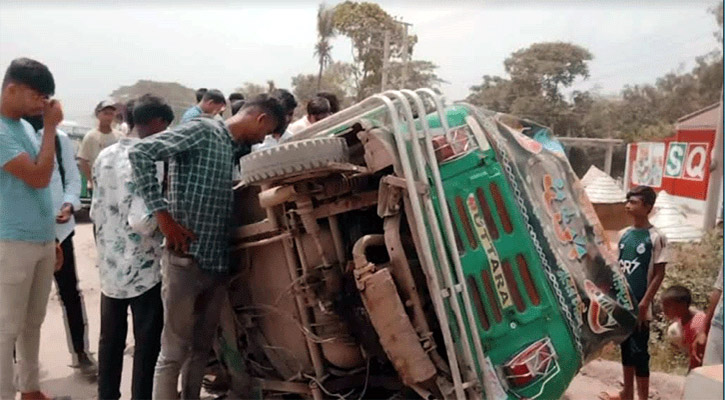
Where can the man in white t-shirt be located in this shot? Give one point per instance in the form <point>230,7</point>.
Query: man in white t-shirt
<point>98,138</point>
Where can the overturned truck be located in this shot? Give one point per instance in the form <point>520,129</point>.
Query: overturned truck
<point>406,248</point>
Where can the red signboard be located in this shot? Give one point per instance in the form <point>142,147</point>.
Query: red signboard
<point>678,164</point>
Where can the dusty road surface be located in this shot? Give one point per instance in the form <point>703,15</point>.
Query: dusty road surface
<point>58,379</point>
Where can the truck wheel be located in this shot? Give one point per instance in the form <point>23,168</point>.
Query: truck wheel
<point>292,158</point>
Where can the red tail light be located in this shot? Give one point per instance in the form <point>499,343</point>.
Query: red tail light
<point>459,143</point>
<point>533,362</point>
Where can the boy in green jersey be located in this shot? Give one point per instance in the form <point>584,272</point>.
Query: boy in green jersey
<point>642,259</point>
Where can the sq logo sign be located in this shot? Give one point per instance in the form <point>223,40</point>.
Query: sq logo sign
<point>675,159</point>
<point>695,162</point>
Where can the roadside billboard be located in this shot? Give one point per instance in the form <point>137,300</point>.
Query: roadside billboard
<point>678,164</point>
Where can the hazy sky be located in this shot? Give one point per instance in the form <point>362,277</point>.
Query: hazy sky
<point>93,48</point>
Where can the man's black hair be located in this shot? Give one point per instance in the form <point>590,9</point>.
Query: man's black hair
<point>200,93</point>
<point>148,107</point>
<point>318,105</point>
<point>32,74</point>
<point>235,96</point>
<point>334,102</point>
<point>286,98</point>
<point>216,96</point>
<point>647,194</point>
<point>678,294</point>
<point>129,113</point>
<point>237,105</point>
<point>271,106</point>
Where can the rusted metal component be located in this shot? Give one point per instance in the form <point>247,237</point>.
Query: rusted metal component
<point>337,239</point>
<point>304,210</point>
<point>283,386</point>
<point>389,197</point>
<point>399,182</point>
<point>338,347</point>
<point>260,228</point>
<point>274,316</point>
<point>333,185</point>
<point>276,195</point>
<point>386,311</point>
<point>379,152</point>
<point>262,242</point>
<point>346,204</point>
<point>405,282</point>
<point>292,268</point>
<point>315,390</point>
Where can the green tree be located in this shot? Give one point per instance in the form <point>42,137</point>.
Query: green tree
<point>548,67</point>
<point>718,13</point>
<point>420,74</point>
<point>325,32</point>
<point>338,78</point>
<point>365,24</point>
<point>533,89</point>
<point>644,112</point>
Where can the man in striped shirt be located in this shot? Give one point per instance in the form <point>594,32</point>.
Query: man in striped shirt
<point>196,223</point>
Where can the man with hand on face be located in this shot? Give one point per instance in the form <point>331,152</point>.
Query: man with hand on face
<point>196,224</point>
<point>129,255</point>
<point>65,189</point>
<point>211,104</point>
<point>29,251</point>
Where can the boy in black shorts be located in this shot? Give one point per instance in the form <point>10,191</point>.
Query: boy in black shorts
<point>642,259</point>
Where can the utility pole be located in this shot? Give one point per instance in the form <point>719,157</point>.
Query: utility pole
<point>406,53</point>
<point>714,186</point>
<point>386,60</point>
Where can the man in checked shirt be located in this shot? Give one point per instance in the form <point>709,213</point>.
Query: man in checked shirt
<point>196,222</point>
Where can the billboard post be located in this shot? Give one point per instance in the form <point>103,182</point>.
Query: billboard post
<point>716,169</point>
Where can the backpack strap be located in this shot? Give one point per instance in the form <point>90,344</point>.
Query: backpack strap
<point>59,158</point>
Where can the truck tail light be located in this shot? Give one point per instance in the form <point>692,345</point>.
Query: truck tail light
<point>460,142</point>
<point>535,361</point>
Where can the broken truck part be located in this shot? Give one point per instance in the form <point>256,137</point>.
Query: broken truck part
<point>408,248</point>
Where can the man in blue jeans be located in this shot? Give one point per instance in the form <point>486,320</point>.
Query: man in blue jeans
<point>28,249</point>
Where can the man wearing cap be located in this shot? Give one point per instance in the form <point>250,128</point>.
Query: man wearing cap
<point>98,138</point>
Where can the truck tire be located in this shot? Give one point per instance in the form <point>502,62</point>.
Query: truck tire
<point>292,158</point>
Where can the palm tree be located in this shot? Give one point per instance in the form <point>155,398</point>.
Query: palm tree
<point>325,32</point>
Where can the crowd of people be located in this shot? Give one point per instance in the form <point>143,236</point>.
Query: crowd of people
<point>161,208</point>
